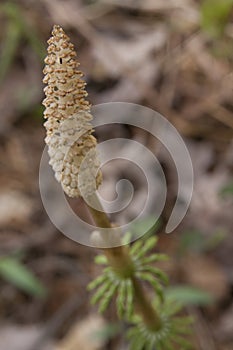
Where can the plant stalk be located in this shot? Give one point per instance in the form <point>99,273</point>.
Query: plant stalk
<point>121,262</point>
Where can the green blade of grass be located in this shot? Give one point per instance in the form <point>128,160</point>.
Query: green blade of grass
<point>187,295</point>
<point>19,275</point>
<point>9,48</point>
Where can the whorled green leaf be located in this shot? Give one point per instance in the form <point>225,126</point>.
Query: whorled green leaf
<point>182,327</point>
<point>99,280</point>
<point>120,300</point>
<point>99,294</point>
<point>154,257</point>
<point>147,246</point>
<point>101,260</point>
<point>127,238</point>
<point>139,248</point>
<point>136,247</point>
<point>129,299</point>
<point>153,282</point>
<point>171,308</point>
<point>156,272</point>
<point>108,295</point>
<point>182,342</point>
<point>108,286</point>
<point>139,252</point>
<point>173,331</point>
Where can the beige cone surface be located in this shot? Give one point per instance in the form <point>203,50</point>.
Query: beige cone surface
<point>69,130</point>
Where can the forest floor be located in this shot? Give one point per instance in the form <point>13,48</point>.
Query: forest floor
<point>165,55</point>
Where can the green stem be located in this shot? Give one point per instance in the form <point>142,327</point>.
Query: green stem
<point>121,262</point>
<point>144,307</point>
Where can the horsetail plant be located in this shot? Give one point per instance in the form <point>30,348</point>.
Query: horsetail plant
<point>154,324</point>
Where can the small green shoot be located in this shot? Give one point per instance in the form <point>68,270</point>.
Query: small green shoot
<point>227,191</point>
<point>16,30</point>
<point>187,295</point>
<point>196,242</point>
<point>13,271</point>
<point>215,15</point>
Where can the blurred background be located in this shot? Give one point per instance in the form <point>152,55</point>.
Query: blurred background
<point>174,56</point>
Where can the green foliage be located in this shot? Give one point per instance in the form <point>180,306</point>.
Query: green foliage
<point>227,191</point>
<point>214,15</point>
<point>16,29</point>
<point>191,240</point>
<point>147,225</point>
<point>14,272</point>
<point>143,268</point>
<point>108,285</point>
<point>187,295</point>
<point>172,332</point>
<point>9,48</point>
<point>108,332</point>
<point>167,304</point>
<point>216,239</point>
<point>196,241</point>
<point>111,284</point>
